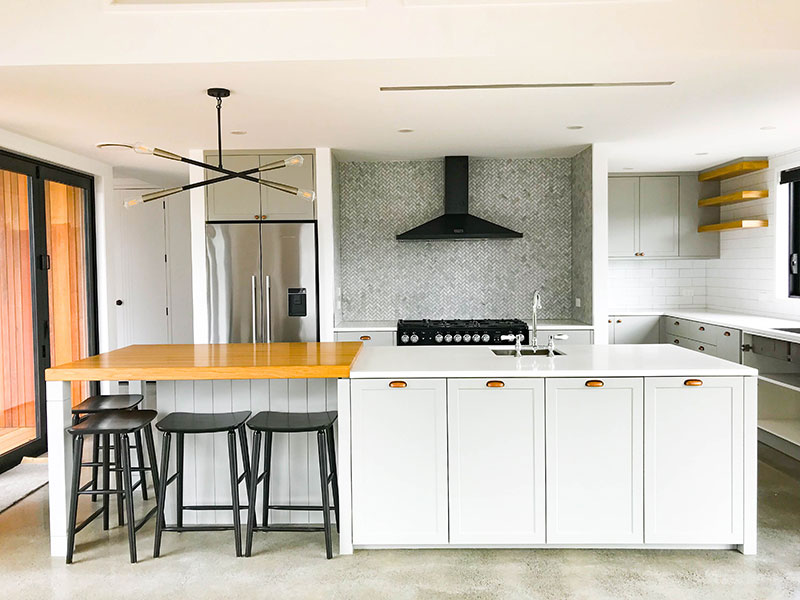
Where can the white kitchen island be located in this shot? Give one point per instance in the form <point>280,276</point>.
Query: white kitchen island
<point>645,446</point>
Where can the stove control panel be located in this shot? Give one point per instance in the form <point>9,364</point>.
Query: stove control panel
<point>485,332</point>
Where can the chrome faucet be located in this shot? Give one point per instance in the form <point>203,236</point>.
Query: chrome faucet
<point>537,304</point>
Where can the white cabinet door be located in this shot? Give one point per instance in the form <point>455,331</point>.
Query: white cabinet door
<point>623,216</point>
<point>693,460</point>
<point>496,460</point>
<point>399,461</point>
<point>658,216</point>
<point>636,329</point>
<point>235,199</point>
<point>594,461</point>
<point>280,206</point>
<point>370,338</point>
<point>611,336</point>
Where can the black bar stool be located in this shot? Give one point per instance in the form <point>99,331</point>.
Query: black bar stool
<point>181,424</point>
<point>119,423</point>
<point>103,403</point>
<point>278,422</point>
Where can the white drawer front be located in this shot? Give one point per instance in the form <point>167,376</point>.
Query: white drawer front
<point>370,338</point>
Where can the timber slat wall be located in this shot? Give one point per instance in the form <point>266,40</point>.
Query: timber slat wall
<point>17,401</point>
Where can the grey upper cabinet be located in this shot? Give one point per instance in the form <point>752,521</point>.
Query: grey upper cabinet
<point>235,199</point>
<point>241,200</point>
<point>280,206</point>
<point>623,216</point>
<point>656,216</point>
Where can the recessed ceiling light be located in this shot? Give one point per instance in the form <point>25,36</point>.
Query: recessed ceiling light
<point>405,131</point>
<point>113,145</point>
<point>574,126</point>
<point>627,168</point>
<point>238,132</point>
<point>768,127</point>
<point>700,153</point>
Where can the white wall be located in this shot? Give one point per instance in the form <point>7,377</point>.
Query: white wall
<point>751,273</point>
<point>656,284</point>
<point>600,242</point>
<point>107,221</point>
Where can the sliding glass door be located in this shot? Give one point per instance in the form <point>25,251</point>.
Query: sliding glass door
<point>48,309</point>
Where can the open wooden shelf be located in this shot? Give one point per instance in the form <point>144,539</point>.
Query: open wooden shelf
<point>733,170</point>
<point>740,224</point>
<point>734,198</point>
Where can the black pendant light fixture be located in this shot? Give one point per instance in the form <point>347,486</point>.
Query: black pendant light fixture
<point>219,94</point>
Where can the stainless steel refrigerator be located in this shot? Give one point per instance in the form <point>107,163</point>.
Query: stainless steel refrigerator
<point>262,282</point>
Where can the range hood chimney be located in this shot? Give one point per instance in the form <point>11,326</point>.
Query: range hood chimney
<point>456,223</point>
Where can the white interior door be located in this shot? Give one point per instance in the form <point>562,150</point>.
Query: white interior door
<point>142,292</point>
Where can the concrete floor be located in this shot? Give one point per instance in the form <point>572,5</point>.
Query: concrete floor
<point>293,565</point>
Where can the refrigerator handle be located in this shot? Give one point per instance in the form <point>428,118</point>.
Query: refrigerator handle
<point>253,305</point>
<point>268,315</point>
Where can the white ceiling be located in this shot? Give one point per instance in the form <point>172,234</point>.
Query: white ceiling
<point>311,78</point>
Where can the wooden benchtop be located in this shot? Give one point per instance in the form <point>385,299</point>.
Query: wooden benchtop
<point>169,362</point>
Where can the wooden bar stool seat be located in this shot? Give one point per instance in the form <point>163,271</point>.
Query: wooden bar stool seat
<point>180,424</point>
<point>268,423</point>
<point>103,403</point>
<point>119,423</point>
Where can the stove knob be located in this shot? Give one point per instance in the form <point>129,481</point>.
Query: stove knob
<point>485,338</point>
<point>439,337</point>
<point>414,338</point>
<point>404,338</point>
<point>448,338</point>
<point>467,337</point>
<point>457,337</point>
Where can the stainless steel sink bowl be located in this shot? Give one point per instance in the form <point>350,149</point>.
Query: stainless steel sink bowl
<point>788,329</point>
<point>525,352</point>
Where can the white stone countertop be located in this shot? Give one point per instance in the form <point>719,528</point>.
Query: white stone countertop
<point>544,325</point>
<point>623,360</point>
<point>753,324</point>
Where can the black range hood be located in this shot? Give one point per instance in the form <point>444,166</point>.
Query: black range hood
<point>456,223</point>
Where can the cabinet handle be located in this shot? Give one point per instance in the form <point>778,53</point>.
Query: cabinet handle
<point>263,216</point>
<point>676,341</point>
<point>609,320</point>
<point>365,338</point>
<point>701,348</point>
<point>677,323</point>
<point>619,320</point>
<point>397,384</point>
<point>693,382</point>
<point>727,334</point>
<point>641,253</point>
<point>702,329</point>
<point>256,217</point>
<point>495,383</point>
<point>594,383</point>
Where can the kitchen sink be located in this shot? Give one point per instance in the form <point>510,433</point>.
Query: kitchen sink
<point>525,352</point>
<point>788,329</point>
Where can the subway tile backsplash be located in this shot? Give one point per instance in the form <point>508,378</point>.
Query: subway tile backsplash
<point>656,284</point>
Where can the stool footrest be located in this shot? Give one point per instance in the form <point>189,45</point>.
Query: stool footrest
<point>290,527</point>
<point>213,507</point>
<point>197,528</point>
<point>298,507</point>
<point>146,518</point>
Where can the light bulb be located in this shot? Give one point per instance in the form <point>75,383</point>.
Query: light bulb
<point>293,161</point>
<point>142,149</point>
<point>306,195</point>
<point>133,202</point>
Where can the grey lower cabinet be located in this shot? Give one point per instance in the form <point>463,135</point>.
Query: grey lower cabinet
<point>656,216</point>
<point>722,342</point>
<point>241,200</point>
<point>633,329</point>
<point>370,338</point>
<point>594,465</point>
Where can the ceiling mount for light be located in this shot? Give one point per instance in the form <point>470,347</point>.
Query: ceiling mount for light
<point>219,94</point>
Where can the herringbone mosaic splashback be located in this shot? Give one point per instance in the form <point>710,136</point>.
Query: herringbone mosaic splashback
<point>381,278</point>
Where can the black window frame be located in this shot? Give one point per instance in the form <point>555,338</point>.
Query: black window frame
<point>791,177</point>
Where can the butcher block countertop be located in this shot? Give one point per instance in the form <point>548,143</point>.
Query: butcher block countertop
<point>178,362</point>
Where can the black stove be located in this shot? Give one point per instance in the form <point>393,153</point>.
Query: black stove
<point>486,332</point>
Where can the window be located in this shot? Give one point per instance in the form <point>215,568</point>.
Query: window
<point>792,178</point>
